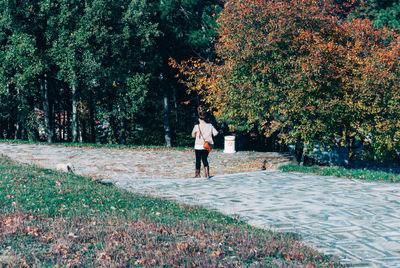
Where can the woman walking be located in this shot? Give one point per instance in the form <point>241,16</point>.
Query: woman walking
<point>203,132</point>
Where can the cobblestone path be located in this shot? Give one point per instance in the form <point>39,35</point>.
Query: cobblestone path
<point>357,221</point>
<point>139,164</point>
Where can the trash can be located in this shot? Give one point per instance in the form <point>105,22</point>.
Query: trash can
<point>229,145</point>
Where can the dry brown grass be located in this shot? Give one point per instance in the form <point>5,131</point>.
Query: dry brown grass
<point>109,242</point>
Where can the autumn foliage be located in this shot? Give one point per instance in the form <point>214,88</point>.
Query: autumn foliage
<point>299,69</point>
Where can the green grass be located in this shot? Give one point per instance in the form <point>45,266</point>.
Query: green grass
<point>358,174</point>
<point>49,217</point>
<point>100,145</point>
<point>97,145</point>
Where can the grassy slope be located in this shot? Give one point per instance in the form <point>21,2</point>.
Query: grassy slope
<point>49,217</point>
<point>359,174</point>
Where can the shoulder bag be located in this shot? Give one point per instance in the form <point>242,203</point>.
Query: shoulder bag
<point>206,144</point>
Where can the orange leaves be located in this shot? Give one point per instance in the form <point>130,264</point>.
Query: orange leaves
<point>198,76</point>
<point>12,224</point>
<point>215,253</point>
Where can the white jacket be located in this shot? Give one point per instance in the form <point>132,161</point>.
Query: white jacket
<point>207,132</point>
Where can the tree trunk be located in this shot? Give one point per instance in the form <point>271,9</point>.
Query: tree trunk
<point>83,131</point>
<point>17,129</point>
<point>80,135</point>
<point>166,110</point>
<point>176,108</point>
<point>58,123</point>
<point>122,137</point>
<point>9,118</point>
<point>44,90</point>
<point>167,126</point>
<point>2,129</point>
<point>60,136</point>
<point>65,126</point>
<point>24,115</point>
<point>75,132</point>
<point>17,116</point>
<point>53,120</point>
<point>299,151</point>
<point>68,124</point>
<point>91,118</point>
<point>23,132</point>
<point>122,125</point>
<point>10,127</point>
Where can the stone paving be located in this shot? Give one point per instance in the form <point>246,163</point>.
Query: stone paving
<point>139,164</point>
<point>357,221</point>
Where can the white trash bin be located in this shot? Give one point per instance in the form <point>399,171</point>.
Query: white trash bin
<point>229,145</point>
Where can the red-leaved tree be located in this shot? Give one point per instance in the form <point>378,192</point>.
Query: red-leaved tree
<point>298,69</point>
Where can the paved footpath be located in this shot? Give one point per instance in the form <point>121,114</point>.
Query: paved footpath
<point>357,221</point>
<point>138,164</point>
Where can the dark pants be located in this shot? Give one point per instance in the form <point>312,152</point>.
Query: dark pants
<point>201,155</point>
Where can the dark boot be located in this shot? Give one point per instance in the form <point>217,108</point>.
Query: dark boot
<point>197,173</point>
<point>207,170</point>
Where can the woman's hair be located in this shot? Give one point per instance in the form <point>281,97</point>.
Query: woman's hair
<point>202,115</point>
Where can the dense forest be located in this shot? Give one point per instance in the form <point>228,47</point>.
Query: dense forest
<point>109,71</point>
<point>97,70</point>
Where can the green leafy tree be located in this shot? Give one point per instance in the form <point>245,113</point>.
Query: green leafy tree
<point>98,60</point>
<point>122,41</point>
<point>25,60</point>
<point>380,12</point>
<point>102,46</point>
<point>97,51</point>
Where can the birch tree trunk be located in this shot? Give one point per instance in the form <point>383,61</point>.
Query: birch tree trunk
<point>122,138</point>
<point>75,132</point>
<point>91,118</point>
<point>44,91</point>
<point>167,125</point>
<point>9,119</point>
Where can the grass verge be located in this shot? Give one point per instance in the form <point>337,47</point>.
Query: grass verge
<point>50,218</point>
<point>100,145</point>
<point>358,174</point>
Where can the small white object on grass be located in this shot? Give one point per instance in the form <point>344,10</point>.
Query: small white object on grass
<point>67,167</point>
